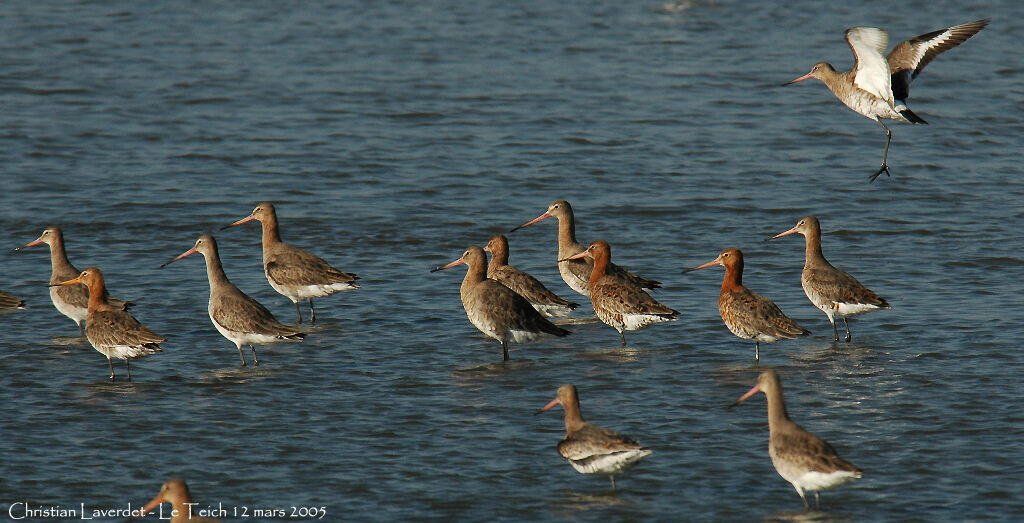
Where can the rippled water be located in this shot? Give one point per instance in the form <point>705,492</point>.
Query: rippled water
<point>393,134</point>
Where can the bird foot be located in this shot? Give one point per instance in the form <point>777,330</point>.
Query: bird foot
<point>848,338</point>
<point>255,363</point>
<point>883,169</point>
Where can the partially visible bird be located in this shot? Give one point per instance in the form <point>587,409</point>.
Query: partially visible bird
<point>546,302</point>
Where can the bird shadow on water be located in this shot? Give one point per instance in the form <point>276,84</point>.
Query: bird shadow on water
<point>615,353</point>
<point>70,341</point>
<point>569,502</point>
<point>806,515</point>
<point>491,370</point>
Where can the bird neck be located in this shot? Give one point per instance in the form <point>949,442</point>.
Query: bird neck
<point>812,249</point>
<point>271,235</point>
<point>499,258</point>
<point>566,233</point>
<point>215,270</point>
<point>475,273</point>
<point>59,263</point>
<point>777,416</point>
<point>733,279</point>
<point>600,269</point>
<point>98,296</point>
<point>573,418</point>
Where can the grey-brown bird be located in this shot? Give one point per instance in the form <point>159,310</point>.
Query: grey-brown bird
<point>112,331</point>
<point>291,271</point>
<point>878,87</point>
<point>746,313</point>
<point>238,317</point>
<point>546,302</point>
<point>576,271</point>
<point>73,300</point>
<point>495,309</point>
<point>833,291</point>
<point>591,449</point>
<point>804,460</point>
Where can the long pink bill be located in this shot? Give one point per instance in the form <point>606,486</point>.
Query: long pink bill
<point>247,219</point>
<point>802,78</point>
<point>548,406</point>
<point>751,392</point>
<point>533,221</point>
<point>449,266</point>
<point>185,254</point>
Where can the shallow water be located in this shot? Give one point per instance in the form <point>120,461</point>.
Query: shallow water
<point>392,135</point>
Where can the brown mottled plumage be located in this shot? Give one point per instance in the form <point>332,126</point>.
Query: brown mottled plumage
<point>746,313</point>
<point>576,271</point>
<point>176,493</point>
<point>495,309</point>
<point>833,291</point>
<point>291,271</point>
<point>545,301</point>
<point>618,301</point>
<point>71,300</point>
<point>801,458</point>
<point>238,317</point>
<point>591,449</point>
<point>110,330</point>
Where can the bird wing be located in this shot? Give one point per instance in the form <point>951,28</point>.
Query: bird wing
<point>764,316</point>
<point>240,313</point>
<point>839,287</point>
<point>810,451</point>
<point>527,286</point>
<point>619,296</point>
<point>591,440</point>
<point>297,267</point>
<point>113,328</point>
<point>871,72</point>
<point>909,57</point>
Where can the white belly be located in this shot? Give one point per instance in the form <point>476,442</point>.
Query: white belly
<point>243,338</point>
<point>574,282</point>
<point>822,480</point>
<point>77,314</point>
<point>301,292</point>
<point>613,463</point>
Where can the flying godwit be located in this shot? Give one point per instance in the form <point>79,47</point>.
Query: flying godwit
<point>176,493</point>
<point>576,272</point>
<point>545,301</point>
<point>71,301</point>
<point>878,87</point>
<point>112,331</point>
<point>591,449</point>
<point>833,291</point>
<point>294,272</point>
<point>495,309</point>
<point>801,458</point>
<point>747,314</point>
<point>618,301</point>
<point>239,318</point>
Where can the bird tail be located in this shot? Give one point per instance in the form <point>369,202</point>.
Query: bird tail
<point>911,116</point>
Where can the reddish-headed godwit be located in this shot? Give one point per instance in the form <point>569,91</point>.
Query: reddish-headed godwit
<point>545,301</point>
<point>801,458</point>
<point>591,449</point>
<point>747,314</point>
<point>833,291</point>
<point>110,330</point>
<point>576,271</point>
<point>71,301</point>
<point>239,318</point>
<point>618,301</point>
<point>294,272</point>
<point>877,86</point>
<point>176,493</point>
<point>495,309</point>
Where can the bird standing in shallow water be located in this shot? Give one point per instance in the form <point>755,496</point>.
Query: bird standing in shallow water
<point>804,460</point>
<point>747,314</point>
<point>71,300</point>
<point>833,291</point>
<point>618,301</point>
<point>495,309</point>
<point>591,449</point>
<point>294,272</point>
<point>238,317</point>
<point>110,330</point>
<point>877,86</point>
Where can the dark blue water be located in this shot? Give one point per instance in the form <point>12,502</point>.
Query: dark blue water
<point>391,135</point>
